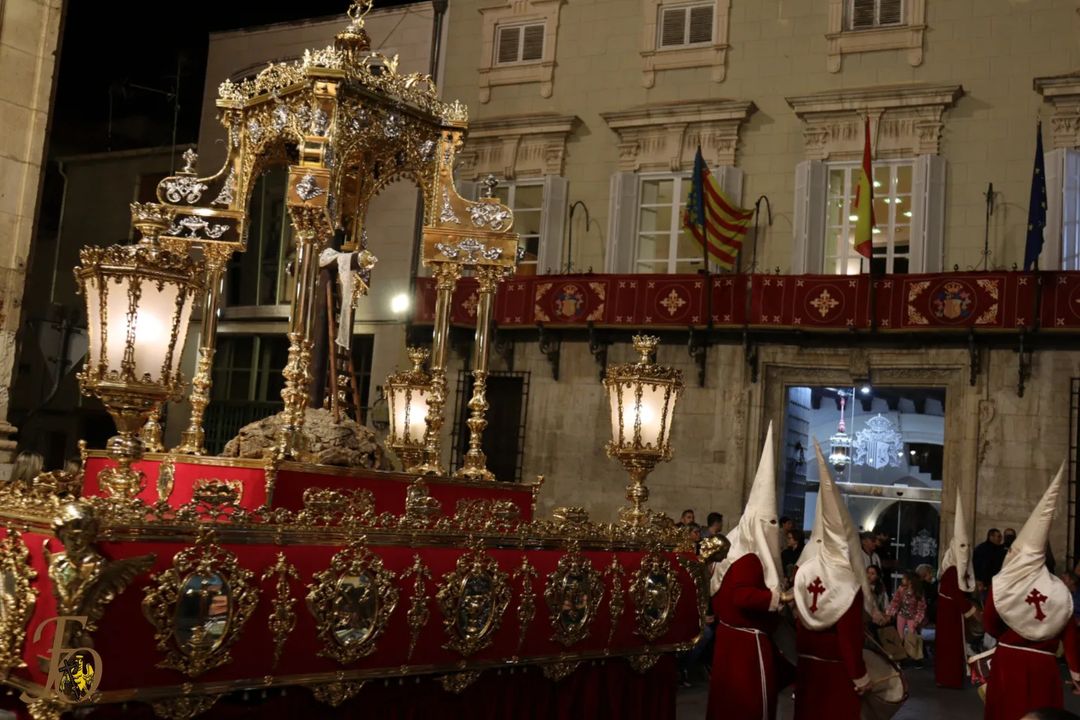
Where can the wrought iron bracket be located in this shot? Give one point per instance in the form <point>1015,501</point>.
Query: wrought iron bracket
<point>504,348</point>
<point>697,347</point>
<point>751,355</point>
<point>599,349</point>
<point>975,359</point>
<point>550,346</point>
<point>1024,358</point>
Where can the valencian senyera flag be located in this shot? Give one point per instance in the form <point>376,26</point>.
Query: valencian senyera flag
<point>1036,206</point>
<point>718,224</point>
<point>863,207</point>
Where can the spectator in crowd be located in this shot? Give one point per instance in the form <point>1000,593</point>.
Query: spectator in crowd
<point>869,549</point>
<point>695,534</point>
<point>786,524</point>
<point>793,545</point>
<point>987,559</point>
<point>877,586</point>
<point>908,606</point>
<point>714,525</point>
<point>925,573</point>
<point>1009,536</point>
<point>687,518</point>
<point>885,550</point>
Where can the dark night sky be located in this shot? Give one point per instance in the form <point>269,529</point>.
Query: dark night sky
<point>111,49</point>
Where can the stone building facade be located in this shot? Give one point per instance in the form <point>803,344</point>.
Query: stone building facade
<point>29,30</point>
<point>600,100</point>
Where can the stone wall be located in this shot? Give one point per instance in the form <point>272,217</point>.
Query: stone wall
<point>29,31</point>
<point>1000,449</point>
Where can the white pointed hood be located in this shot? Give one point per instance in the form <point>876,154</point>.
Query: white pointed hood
<point>758,531</point>
<point>1028,598</point>
<point>959,553</point>
<point>829,574</point>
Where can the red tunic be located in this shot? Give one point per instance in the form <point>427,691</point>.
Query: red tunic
<point>1024,675</point>
<point>747,670</point>
<point>830,661</point>
<point>950,662</point>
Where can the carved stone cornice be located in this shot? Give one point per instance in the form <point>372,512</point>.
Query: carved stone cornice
<point>1063,92</point>
<point>905,120</point>
<point>514,146</point>
<point>664,136</point>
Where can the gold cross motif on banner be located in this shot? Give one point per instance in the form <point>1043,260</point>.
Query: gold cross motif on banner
<point>824,303</point>
<point>672,302</point>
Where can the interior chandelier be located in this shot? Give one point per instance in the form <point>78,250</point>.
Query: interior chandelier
<point>840,443</point>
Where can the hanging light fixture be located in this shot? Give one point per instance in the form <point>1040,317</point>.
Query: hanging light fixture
<point>840,443</point>
<point>643,396</point>
<point>138,304</point>
<point>408,399</point>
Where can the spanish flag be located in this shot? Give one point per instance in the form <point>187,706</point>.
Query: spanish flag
<point>715,222</point>
<point>864,202</point>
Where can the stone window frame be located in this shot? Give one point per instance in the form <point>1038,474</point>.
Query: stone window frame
<point>1062,232</point>
<point>656,59</point>
<point>907,36</point>
<point>495,13</point>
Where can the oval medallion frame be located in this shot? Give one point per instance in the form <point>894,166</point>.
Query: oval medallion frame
<point>655,590</point>
<point>17,600</point>
<point>356,588</point>
<point>165,595</point>
<point>573,594</point>
<point>473,599</point>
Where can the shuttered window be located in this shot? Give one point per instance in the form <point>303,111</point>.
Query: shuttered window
<point>682,25</point>
<point>865,14</point>
<point>519,43</point>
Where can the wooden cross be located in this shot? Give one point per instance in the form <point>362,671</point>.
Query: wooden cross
<point>1036,598</point>
<point>815,588</point>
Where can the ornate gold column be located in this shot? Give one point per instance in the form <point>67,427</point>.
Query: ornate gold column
<point>192,439</point>
<point>446,277</point>
<point>475,467</point>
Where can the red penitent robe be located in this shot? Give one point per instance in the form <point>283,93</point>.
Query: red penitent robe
<point>830,663</point>
<point>747,670</point>
<point>950,662</point>
<point>1025,676</point>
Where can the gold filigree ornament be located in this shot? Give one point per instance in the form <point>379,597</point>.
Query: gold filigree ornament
<point>199,606</point>
<point>616,572</point>
<point>185,707</point>
<point>282,618</point>
<point>457,682</point>
<point>473,599</point>
<point>560,670</point>
<point>17,600</point>
<point>526,610</point>
<point>698,573</point>
<point>655,591</point>
<point>83,581</point>
<point>573,593</point>
<point>418,613</point>
<point>644,662</point>
<point>335,693</point>
<point>351,602</point>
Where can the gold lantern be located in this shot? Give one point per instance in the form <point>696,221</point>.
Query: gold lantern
<point>408,398</point>
<point>643,397</point>
<point>138,305</point>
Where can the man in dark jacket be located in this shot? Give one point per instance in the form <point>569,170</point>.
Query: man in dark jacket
<point>987,559</point>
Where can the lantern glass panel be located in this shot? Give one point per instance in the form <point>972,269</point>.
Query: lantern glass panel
<point>93,323</point>
<point>409,414</point>
<point>153,328</point>
<point>649,412</point>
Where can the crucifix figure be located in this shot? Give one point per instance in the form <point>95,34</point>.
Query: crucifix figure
<point>1036,598</point>
<point>815,588</point>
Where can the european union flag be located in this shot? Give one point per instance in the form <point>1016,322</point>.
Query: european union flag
<point>1036,207</point>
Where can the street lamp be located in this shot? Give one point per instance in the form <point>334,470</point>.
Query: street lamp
<point>138,304</point>
<point>408,398</point>
<point>643,397</point>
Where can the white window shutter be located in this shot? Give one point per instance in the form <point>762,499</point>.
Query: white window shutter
<point>1070,210</point>
<point>1055,245</point>
<point>532,42</point>
<point>672,27</point>
<point>809,222</point>
<point>622,222</point>
<point>701,24</point>
<point>508,43</point>
<point>552,225</point>
<point>928,214</point>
